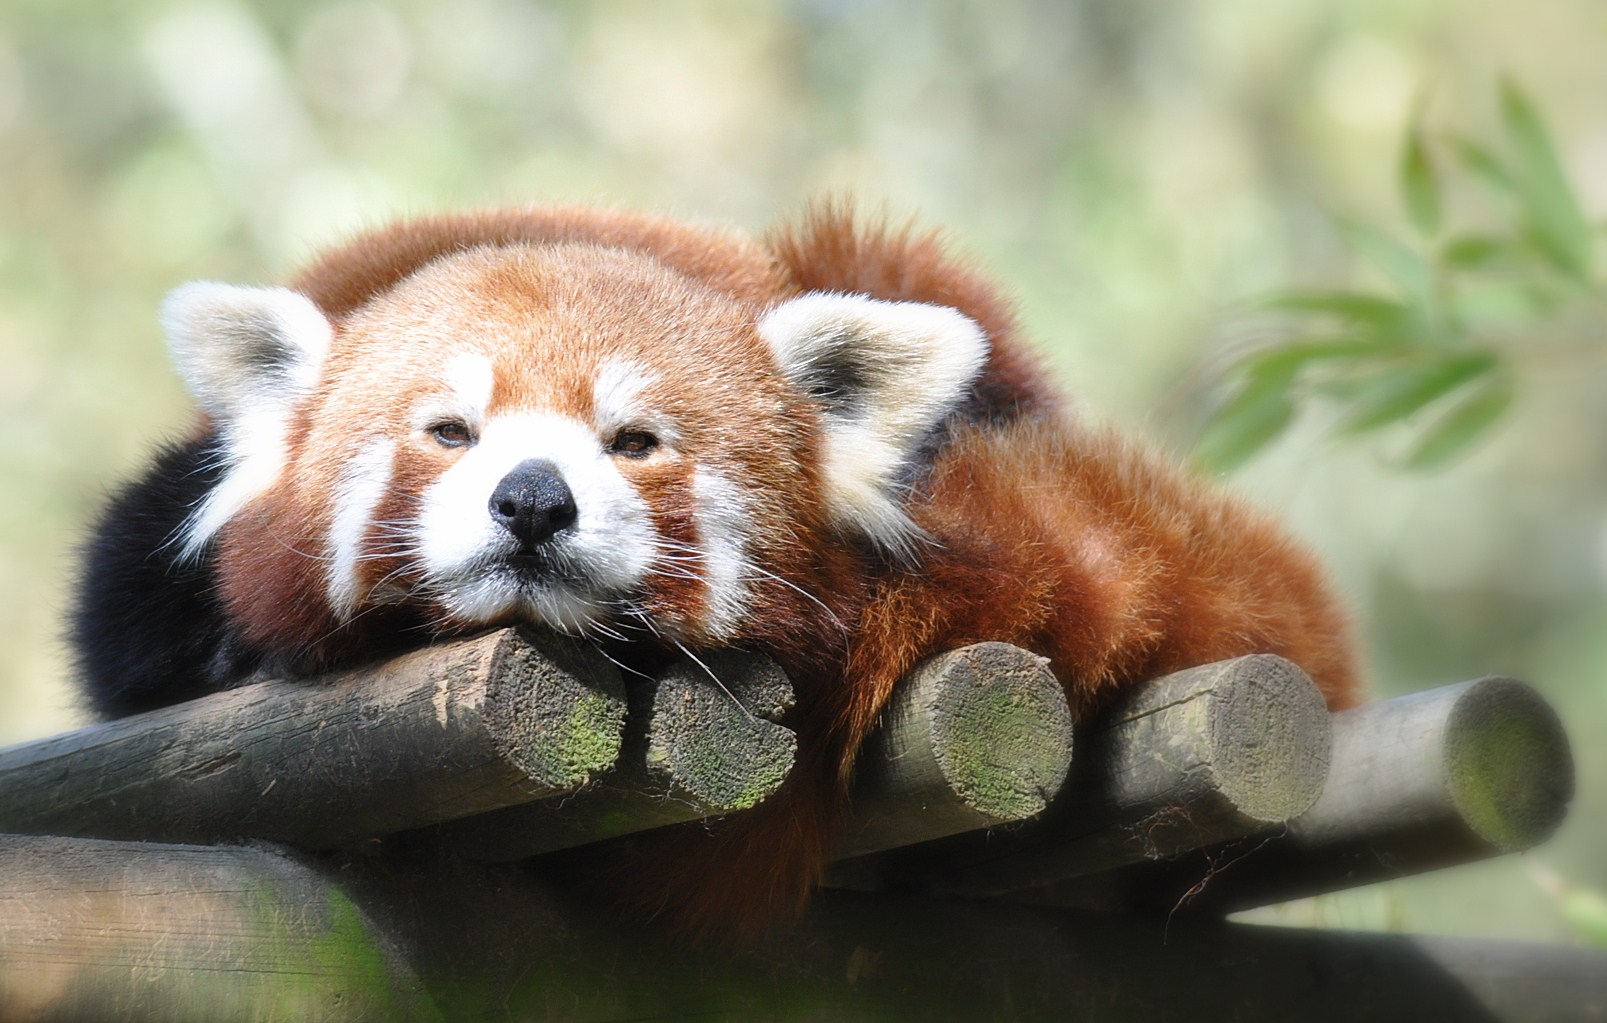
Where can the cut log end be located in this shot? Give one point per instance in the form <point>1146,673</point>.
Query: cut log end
<point>973,738</point>
<point>1250,736</point>
<point>714,734</point>
<point>558,706</point>
<point>1270,737</point>
<point>1000,729</point>
<point>1507,764</point>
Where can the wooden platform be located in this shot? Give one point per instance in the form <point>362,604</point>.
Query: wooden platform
<point>370,847</point>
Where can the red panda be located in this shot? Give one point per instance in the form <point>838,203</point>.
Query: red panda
<point>828,446</point>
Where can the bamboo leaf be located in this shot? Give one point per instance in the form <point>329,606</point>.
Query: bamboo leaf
<point>1459,429</point>
<point>1484,252</point>
<point>1486,166</point>
<point>1247,423</point>
<point>1495,305</point>
<point>1290,358</point>
<point>1401,392</point>
<point>1420,187</point>
<point>1396,261</point>
<point>1559,225</point>
<point>1360,309</point>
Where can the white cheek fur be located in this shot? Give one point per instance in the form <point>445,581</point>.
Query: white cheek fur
<point>724,520</point>
<point>363,483</point>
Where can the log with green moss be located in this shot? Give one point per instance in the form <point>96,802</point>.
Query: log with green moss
<point>93,930</point>
<point>133,931</point>
<point>973,738</point>
<point>441,733</point>
<point>1441,777</point>
<point>703,739</point>
<point>1188,760</point>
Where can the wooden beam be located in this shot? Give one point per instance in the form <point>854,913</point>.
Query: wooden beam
<point>93,930</point>
<point>1189,760</point>
<point>135,933</point>
<point>973,738</point>
<point>447,731</point>
<point>1424,781</point>
<point>702,740</point>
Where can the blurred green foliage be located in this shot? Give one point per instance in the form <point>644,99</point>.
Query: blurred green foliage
<point>1136,173</point>
<point>1432,350</point>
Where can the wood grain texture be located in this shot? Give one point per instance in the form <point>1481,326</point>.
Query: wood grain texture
<point>1188,760</point>
<point>973,738</point>
<point>441,733</point>
<point>1445,776</point>
<point>94,930</point>
<point>702,740</point>
<point>141,933</point>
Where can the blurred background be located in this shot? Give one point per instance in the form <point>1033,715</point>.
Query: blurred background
<point>1140,174</point>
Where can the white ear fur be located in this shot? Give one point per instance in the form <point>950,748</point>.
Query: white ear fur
<point>885,374</point>
<point>243,350</point>
<point>246,354</point>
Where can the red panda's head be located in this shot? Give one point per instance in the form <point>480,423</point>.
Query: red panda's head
<point>565,433</point>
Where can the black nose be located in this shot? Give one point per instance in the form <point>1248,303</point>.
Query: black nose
<point>533,502</point>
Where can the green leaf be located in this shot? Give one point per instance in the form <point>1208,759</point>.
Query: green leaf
<point>1290,358</point>
<point>1467,422</point>
<point>1420,187</point>
<point>1560,227</point>
<point>1485,165</point>
<point>1497,305</point>
<point>1247,423</point>
<point>1394,260</point>
<point>1397,394</point>
<point>1372,312</point>
<point>1484,252</point>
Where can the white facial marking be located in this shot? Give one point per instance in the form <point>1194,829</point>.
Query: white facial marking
<point>254,456</point>
<point>470,377</point>
<point>723,522</point>
<point>617,405</point>
<point>361,487</point>
<point>463,550</point>
<point>619,382</point>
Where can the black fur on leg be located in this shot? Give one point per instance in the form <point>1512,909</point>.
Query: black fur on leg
<point>147,629</point>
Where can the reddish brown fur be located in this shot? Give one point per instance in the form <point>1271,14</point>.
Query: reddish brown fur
<point>1071,543</point>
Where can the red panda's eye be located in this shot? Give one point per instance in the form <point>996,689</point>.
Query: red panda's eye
<point>452,434</point>
<point>634,442</point>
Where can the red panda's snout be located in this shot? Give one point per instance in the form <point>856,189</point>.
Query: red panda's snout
<point>543,517</point>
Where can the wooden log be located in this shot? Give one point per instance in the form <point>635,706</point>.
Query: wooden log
<point>1188,760</point>
<point>702,740</point>
<point>451,730</point>
<point>94,930</point>
<point>973,738</point>
<point>1424,781</point>
<point>100,930</point>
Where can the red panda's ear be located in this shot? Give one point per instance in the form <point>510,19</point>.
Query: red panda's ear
<point>884,374</point>
<point>246,354</point>
<point>244,351</point>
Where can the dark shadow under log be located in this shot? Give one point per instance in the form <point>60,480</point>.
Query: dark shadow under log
<point>100,930</point>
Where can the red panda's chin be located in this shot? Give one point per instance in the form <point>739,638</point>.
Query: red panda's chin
<point>523,588</point>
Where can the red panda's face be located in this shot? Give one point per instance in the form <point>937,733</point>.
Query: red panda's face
<point>566,434</point>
